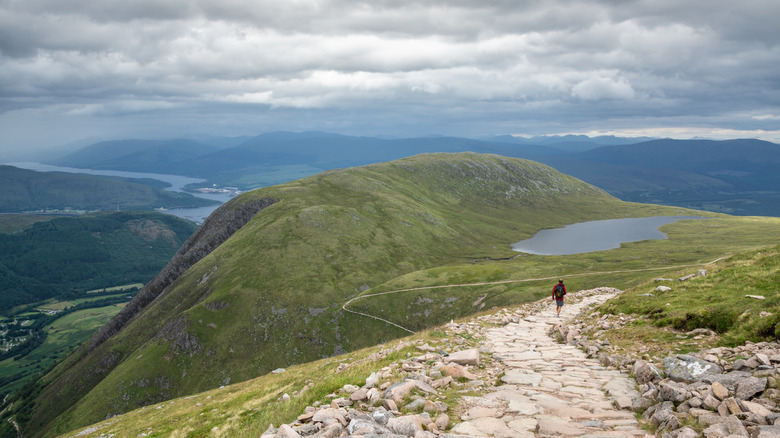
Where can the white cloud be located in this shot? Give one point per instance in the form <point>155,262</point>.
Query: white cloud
<point>454,67</point>
<point>598,88</point>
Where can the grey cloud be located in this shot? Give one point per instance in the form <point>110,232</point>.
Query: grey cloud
<point>461,64</point>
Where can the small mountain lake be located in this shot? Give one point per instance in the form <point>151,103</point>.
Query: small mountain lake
<point>596,235</point>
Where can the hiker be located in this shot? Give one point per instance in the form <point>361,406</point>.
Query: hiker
<point>559,291</point>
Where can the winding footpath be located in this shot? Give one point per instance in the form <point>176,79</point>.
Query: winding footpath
<point>345,308</point>
<point>549,389</point>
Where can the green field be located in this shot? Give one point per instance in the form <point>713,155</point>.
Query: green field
<point>64,335</point>
<point>55,304</point>
<point>125,287</point>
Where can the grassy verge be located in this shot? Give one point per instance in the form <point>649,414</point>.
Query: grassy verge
<point>247,408</point>
<point>718,301</point>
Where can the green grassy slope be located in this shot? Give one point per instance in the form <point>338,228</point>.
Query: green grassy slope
<point>718,301</point>
<point>246,409</point>
<point>271,295</point>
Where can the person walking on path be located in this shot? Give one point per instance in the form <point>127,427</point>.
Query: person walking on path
<point>559,291</point>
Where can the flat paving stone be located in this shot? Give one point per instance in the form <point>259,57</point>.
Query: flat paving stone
<point>550,389</point>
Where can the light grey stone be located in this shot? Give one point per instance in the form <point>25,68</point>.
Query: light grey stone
<point>359,395</point>
<point>686,368</point>
<point>465,357</point>
<point>332,430</point>
<point>758,409</point>
<point>328,416</point>
<point>749,387</point>
<point>365,427</point>
<point>398,391</point>
<point>672,391</point>
<point>515,376</point>
<point>548,425</point>
<point>685,432</point>
<point>381,415</point>
<point>372,380</point>
<point>285,431</point>
<point>407,425</point>
<point>768,432</point>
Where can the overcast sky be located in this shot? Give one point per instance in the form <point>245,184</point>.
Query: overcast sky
<point>75,69</point>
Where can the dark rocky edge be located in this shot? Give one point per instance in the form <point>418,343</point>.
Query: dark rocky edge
<point>722,392</point>
<point>219,226</point>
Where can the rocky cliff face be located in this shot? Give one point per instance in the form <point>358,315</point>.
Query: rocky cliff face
<point>225,221</point>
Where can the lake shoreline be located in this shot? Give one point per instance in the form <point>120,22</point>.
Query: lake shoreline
<point>601,235</point>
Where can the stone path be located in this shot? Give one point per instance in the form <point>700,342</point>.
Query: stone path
<point>550,389</point>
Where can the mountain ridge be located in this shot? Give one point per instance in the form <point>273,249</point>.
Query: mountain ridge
<point>721,176</point>
<point>275,287</point>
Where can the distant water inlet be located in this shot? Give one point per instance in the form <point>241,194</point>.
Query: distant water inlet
<point>596,235</point>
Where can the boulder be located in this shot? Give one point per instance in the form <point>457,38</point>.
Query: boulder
<point>685,432</point>
<point>749,387</point>
<point>407,425</point>
<point>672,391</point>
<point>465,357</point>
<point>768,432</point>
<point>285,431</point>
<point>332,430</point>
<point>397,392</point>
<point>359,395</point>
<point>328,416</point>
<point>686,368</point>
<point>645,372</point>
<point>456,371</point>
<point>755,408</point>
<point>372,380</point>
<point>719,391</point>
<point>442,421</point>
<point>381,415</point>
<point>730,426</point>
<point>364,427</point>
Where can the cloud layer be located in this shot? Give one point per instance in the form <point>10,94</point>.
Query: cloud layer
<point>74,68</point>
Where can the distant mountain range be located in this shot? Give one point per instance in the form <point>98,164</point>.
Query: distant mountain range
<point>735,176</point>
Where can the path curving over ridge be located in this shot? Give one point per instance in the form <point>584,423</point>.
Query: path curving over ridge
<point>487,283</point>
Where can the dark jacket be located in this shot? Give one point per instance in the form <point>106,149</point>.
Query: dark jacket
<point>564,291</point>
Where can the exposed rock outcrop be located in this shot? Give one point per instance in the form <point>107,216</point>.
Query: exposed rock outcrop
<point>219,226</point>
